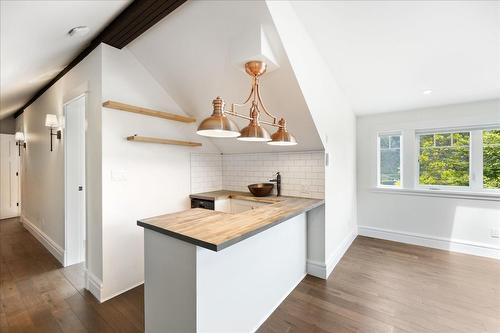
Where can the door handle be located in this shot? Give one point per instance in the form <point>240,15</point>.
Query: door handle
<point>80,188</point>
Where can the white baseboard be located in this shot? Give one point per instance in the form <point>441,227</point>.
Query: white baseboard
<point>340,251</point>
<point>454,245</point>
<point>105,298</point>
<point>323,270</point>
<point>94,285</point>
<point>316,268</point>
<point>46,241</point>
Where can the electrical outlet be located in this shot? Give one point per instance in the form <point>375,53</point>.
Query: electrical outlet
<point>494,233</point>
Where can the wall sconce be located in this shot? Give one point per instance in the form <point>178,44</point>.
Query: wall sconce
<point>52,122</point>
<point>19,137</point>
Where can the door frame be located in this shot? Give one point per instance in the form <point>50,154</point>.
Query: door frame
<point>66,192</point>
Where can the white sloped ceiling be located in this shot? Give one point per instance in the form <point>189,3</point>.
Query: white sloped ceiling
<point>189,54</point>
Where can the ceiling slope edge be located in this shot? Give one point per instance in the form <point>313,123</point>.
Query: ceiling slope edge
<point>322,94</point>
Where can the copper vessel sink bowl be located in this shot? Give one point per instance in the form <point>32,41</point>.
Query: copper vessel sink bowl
<point>261,190</point>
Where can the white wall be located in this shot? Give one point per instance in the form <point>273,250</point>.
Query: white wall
<point>436,220</point>
<point>334,121</point>
<point>138,179</point>
<point>126,181</point>
<point>43,171</point>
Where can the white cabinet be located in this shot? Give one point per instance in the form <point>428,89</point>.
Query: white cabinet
<point>223,205</point>
<point>235,206</point>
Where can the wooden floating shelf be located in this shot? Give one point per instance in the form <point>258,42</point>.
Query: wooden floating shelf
<point>138,138</point>
<point>147,112</point>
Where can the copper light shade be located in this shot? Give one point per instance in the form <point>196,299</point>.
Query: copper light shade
<point>218,125</point>
<point>254,132</point>
<point>282,137</point>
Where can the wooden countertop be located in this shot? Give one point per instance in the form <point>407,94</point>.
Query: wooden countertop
<point>217,230</point>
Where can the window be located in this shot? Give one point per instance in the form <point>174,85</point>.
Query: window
<point>389,161</point>
<point>444,158</point>
<point>463,159</point>
<point>491,159</point>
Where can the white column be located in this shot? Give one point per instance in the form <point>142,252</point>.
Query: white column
<point>409,168</point>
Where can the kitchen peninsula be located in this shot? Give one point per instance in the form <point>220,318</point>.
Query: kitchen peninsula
<point>214,271</point>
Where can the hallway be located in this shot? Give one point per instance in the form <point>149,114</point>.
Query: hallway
<point>38,295</point>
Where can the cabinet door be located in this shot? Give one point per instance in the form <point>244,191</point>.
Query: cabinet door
<point>223,205</point>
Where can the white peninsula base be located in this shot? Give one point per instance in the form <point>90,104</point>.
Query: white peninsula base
<point>192,289</point>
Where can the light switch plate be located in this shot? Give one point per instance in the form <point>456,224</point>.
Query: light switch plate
<point>494,233</point>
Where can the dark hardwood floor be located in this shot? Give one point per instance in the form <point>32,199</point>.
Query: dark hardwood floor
<point>382,286</point>
<point>379,286</point>
<point>38,295</point>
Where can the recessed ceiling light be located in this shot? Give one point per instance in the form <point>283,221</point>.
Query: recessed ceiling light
<point>427,92</point>
<point>79,31</point>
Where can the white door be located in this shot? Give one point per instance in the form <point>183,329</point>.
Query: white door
<point>9,177</point>
<point>74,171</point>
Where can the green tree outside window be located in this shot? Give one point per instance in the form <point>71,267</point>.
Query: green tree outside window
<point>491,159</point>
<point>390,160</point>
<point>444,159</point>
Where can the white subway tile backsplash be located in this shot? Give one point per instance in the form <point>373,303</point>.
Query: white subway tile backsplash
<point>302,173</point>
<point>206,172</point>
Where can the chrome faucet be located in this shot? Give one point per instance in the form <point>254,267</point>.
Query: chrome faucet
<point>277,180</point>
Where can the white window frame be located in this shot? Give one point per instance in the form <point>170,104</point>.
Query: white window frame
<point>475,159</point>
<point>400,134</point>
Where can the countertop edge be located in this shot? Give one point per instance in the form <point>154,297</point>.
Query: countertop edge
<point>221,246</point>
<point>268,226</point>
<point>178,236</point>
<point>206,197</point>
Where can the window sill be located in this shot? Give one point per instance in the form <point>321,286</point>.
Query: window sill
<point>488,196</point>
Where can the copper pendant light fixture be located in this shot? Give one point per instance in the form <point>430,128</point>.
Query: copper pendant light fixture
<point>282,137</point>
<point>218,125</point>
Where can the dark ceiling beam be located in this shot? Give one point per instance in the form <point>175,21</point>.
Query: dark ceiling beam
<point>132,22</point>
